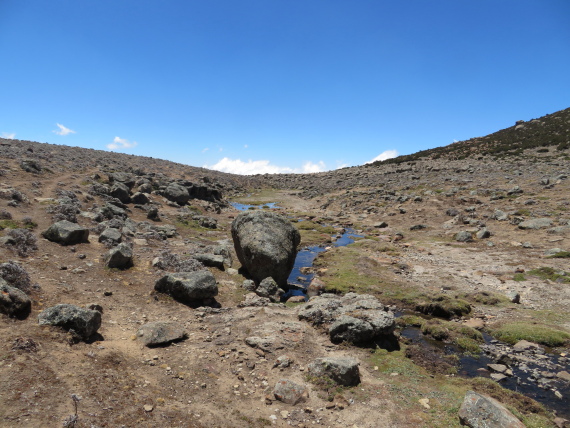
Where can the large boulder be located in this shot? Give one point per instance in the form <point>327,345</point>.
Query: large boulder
<point>120,257</point>
<point>66,233</point>
<point>482,411</point>
<point>266,245</point>
<point>84,322</point>
<point>14,302</point>
<point>121,192</point>
<point>354,318</point>
<point>177,193</point>
<point>111,235</point>
<point>188,287</point>
<point>342,370</point>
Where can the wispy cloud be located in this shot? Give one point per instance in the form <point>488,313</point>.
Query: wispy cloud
<point>63,130</point>
<point>245,146</point>
<point>9,136</point>
<point>387,154</point>
<point>251,167</point>
<point>121,143</point>
<point>205,149</point>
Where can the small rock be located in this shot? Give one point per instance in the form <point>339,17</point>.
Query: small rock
<point>290,392</point>
<point>160,333</point>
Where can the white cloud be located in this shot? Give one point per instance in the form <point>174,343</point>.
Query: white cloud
<point>8,136</point>
<point>63,130</point>
<point>205,149</point>
<point>245,146</point>
<point>387,154</point>
<point>251,167</point>
<point>121,143</point>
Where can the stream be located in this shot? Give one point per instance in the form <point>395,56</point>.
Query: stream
<point>534,371</point>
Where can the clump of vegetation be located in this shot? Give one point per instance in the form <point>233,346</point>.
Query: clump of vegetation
<point>328,386</point>
<point>5,215</point>
<point>542,334</point>
<point>560,255</point>
<point>22,241</point>
<point>486,298</point>
<point>550,274</point>
<point>16,276</point>
<point>8,224</point>
<point>519,277</point>
<point>444,306</point>
<point>311,225</point>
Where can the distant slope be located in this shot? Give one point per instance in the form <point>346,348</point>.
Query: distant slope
<point>551,131</point>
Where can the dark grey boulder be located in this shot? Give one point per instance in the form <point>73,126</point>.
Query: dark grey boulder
<point>482,411</point>
<point>266,245</point>
<point>268,288</point>
<point>30,165</point>
<point>66,233</point>
<point>152,214</point>
<point>121,192</point>
<point>160,333</point>
<point>111,235</point>
<point>84,322</point>
<point>125,178</point>
<point>205,221</point>
<point>14,302</point>
<point>120,257</point>
<point>188,287</point>
<point>110,211</point>
<point>463,236</point>
<point>176,193</point>
<point>290,392</point>
<point>342,370</point>
<point>535,224</point>
<point>140,198</point>
<point>210,260</point>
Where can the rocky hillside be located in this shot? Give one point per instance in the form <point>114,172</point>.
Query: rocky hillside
<point>124,302</point>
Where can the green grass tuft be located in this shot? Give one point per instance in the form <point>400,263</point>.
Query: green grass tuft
<point>544,335</point>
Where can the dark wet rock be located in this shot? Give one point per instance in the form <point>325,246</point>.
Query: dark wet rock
<point>176,193</point>
<point>120,257</point>
<point>160,333</point>
<point>342,370</point>
<point>187,287</point>
<point>210,260</point>
<point>266,245</point>
<point>111,235</point>
<point>535,224</point>
<point>83,322</point>
<point>464,236</point>
<point>66,233</point>
<point>445,307</point>
<point>14,302</point>
<point>268,288</point>
<point>355,318</point>
<point>482,411</point>
<point>121,192</point>
<point>290,392</point>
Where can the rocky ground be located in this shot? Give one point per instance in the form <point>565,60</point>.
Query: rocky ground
<point>439,235</point>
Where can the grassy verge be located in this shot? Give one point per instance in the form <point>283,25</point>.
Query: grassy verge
<point>514,331</point>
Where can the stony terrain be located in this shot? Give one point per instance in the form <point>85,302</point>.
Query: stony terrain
<point>467,239</point>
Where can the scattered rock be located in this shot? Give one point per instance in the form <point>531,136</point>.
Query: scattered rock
<point>210,260</point>
<point>111,235</point>
<point>343,370</point>
<point>160,333</point>
<point>482,411</point>
<point>83,322</point>
<point>290,392</point>
<point>14,302</point>
<point>66,233</point>
<point>187,287</point>
<point>464,236</point>
<point>535,224</point>
<point>120,257</point>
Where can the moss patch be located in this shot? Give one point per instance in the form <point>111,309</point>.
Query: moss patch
<point>551,274</point>
<point>545,335</point>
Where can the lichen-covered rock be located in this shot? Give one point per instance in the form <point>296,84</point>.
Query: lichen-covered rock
<point>84,322</point>
<point>266,245</point>
<point>355,318</point>
<point>187,287</point>
<point>176,193</point>
<point>111,235</point>
<point>14,302</point>
<point>66,233</point>
<point>290,392</point>
<point>121,192</point>
<point>463,236</point>
<point>535,223</point>
<point>210,260</point>
<point>160,333</point>
<point>482,411</point>
<point>269,288</point>
<point>342,370</point>
<point>120,257</point>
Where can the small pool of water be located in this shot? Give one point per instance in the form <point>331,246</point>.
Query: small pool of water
<point>298,282</point>
<point>245,207</point>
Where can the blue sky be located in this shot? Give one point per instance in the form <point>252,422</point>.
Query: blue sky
<point>277,85</point>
